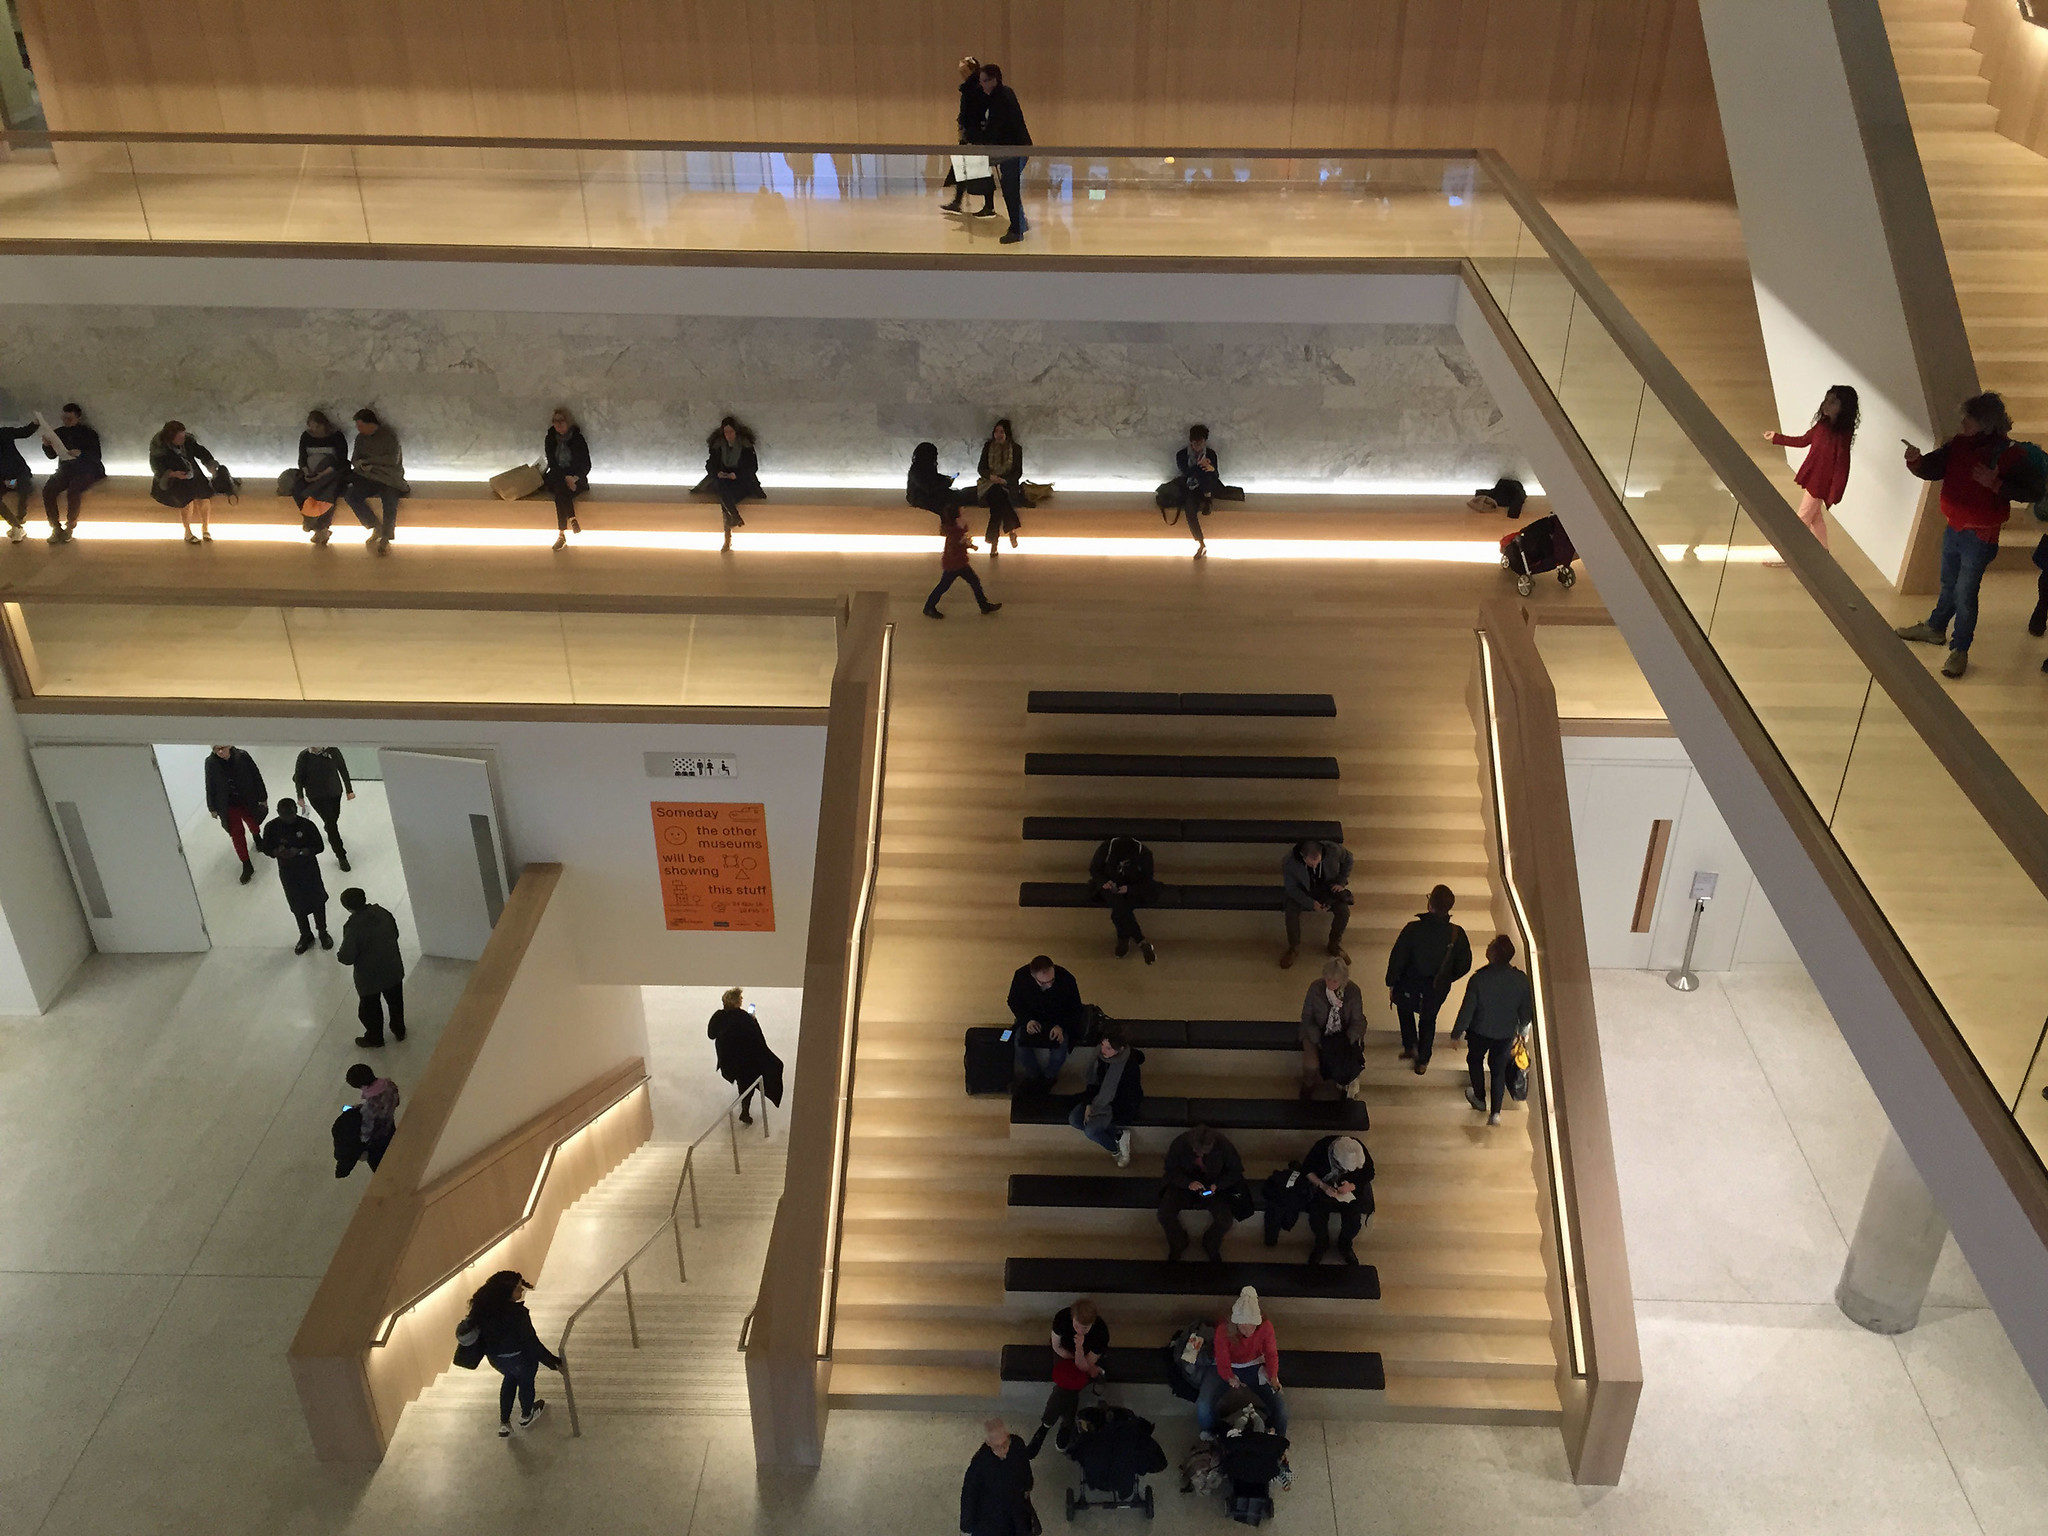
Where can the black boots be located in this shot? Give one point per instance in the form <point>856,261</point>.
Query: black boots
<point>248,872</point>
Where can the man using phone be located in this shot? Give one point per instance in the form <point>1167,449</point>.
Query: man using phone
<point>1982,472</point>
<point>1045,1002</point>
<point>1203,1173</point>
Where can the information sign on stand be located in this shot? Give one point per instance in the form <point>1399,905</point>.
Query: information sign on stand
<point>713,859</point>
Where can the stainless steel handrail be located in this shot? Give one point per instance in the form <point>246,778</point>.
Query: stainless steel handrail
<point>669,1223</point>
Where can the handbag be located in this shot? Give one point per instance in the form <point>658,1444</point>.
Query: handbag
<point>225,484</point>
<point>968,168</point>
<point>287,482</point>
<point>516,483</point>
<point>469,1345</point>
<point>1518,1070</point>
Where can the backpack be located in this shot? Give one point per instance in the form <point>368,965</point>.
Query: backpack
<point>1185,1354</point>
<point>2033,487</point>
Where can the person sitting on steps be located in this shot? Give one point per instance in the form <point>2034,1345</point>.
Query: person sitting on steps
<point>1203,1173</point>
<point>1247,1354</point>
<point>1197,482</point>
<point>1120,875</point>
<point>1000,485</point>
<point>1339,1170</point>
<point>732,470</point>
<point>1116,1093</point>
<point>1047,1015</point>
<point>1332,1033</point>
<point>1315,877</point>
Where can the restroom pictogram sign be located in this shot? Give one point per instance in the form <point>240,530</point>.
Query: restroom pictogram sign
<point>713,860</point>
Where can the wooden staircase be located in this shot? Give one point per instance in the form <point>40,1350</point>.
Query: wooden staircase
<point>1464,1325</point>
<point>1990,200</point>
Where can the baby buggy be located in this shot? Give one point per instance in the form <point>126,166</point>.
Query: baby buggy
<point>1542,546</point>
<point>1116,1453</point>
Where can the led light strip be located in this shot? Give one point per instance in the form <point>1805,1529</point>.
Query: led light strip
<point>1575,1326</point>
<point>1159,547</point>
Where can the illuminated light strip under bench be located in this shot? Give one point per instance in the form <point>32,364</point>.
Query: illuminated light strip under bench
<point>1348,1370</point>
<point>1045,701</point>
<point>1165,829</point>
<point>1167,765</point>
<point>1170,898</point>
<point>1321,1117</point>
<point>1170,1277</point>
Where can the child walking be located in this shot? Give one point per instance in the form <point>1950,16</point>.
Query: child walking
<point>1825,474</point>
<point>953,567</point>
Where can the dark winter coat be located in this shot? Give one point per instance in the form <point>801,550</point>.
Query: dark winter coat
<point>743,1053</point>
<point>12,465</point>
<point>1058,1005</point>
<point>1223,1167</point>
<point>1431,949</point>
<point>748,484</point>
<point>369,943</point>
<point>1002,120</point>
<point>85,442</point>
<point>323,468</point>
<point>995,1496</point>
<point>234,780</point>
<point>565,453</point>
<point>296,844</point>
<point>1121,861</point>
<point>322,774</point>
<point>166,459</point>
<point>510,1333</point>
<point>1130,1088</point>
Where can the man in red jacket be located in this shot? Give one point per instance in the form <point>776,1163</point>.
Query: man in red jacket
<point>1982,472</point>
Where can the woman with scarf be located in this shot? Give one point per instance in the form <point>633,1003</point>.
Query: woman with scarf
<point>1001,484</point>
<point>1332,1033</point>
<point>733,472</point>
<point>177,480</point>
<point>565,471</point>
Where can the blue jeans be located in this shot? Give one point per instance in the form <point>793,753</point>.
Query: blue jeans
<point>1964,555</point>
<point>518,1371</point>
<point>1040,1061</point>
<point>1105,1136</point>
<point>947,579</point>
<point>1215,1389</point>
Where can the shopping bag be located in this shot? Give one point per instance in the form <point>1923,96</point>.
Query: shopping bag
<point>520,481</point>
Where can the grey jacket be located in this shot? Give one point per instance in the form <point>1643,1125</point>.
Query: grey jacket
<point>378,457</point>
<point>1315,1013</point>
<point>1300,884</point>
<point>1499,1004</point>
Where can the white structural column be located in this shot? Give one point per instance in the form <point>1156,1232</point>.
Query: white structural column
<point>1852,286</point>
<point>43,936</point>
<point>1898,1240</point>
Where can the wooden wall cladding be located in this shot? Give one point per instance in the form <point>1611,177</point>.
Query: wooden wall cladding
<point>1576,92</point>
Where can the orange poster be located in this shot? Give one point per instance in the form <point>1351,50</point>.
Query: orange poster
<point>713,860</point>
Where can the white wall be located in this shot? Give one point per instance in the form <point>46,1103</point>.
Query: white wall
<point>43,934</point>
<point>182,766</point>
<point>579,795</point>
<point>1619,786</point>
<point>554,1033</point>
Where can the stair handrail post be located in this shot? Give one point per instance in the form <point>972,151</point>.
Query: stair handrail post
<point>569,1393</point>
<point>732,1127</point>
<point>632,1317</point>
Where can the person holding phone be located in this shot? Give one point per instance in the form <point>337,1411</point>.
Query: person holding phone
<point>744,1058</point>
<point>1203,1173</point>
<point>1982,472</point>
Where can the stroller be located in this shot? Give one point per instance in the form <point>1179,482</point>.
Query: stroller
<point>1116,1452</point>
<point>1542,546</point>
<point>1251,1458</point>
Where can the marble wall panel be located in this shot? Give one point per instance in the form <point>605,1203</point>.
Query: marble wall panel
<point>470,392</point>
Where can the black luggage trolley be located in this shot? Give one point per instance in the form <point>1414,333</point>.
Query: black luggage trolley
<point>1540,547</point>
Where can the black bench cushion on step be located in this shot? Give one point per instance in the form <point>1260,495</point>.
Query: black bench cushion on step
<point>1091,1192</point>
<point>1317,1117</point>
<point>1170,1277</point>
<point>1273,705</point>
<point>1162,829</point>
<point>1050,701</point>
<point>1358,1371</point>
<point>1160,765</point>
<point>1212,1034</point>
<point>1187,898</point>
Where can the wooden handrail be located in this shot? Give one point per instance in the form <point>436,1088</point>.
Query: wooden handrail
<point>786,1376</point>
<point>1523,791</point>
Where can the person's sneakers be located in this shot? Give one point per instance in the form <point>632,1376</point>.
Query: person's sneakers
<point>1123,946</point>
<point>371,1042</point>
<point>60,536</point>
<point>342,860</point>
<point>305,943</point>
<point>930,613</point>
<point>1494,1118</point>
<point>574,526</point>
<point>321,536</point>
<point>1923,633</point>
<point>1957,664</point>
<point>1145,948</point>
<point>16,533</point>
<point>1010,237</point>
<point>1347,1253</point>
<point>248,872</point>
<point>504,1429</point>
<point>371,541</point>
<point>397,1031</point>
<point>540,1406</point>
<point>326,942</point>
<point>1061,1437</point>
<point>1288,957</point>
<point>562,539</point>
<point>1472,1097</point>
<point>987,608</point>
<point>987,210</point>
<point>1123,1150</point>
<point>383,543</point>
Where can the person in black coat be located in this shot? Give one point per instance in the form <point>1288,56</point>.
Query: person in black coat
<point>1047,1015</point>
<point>237,799</point>
<point>1197,481</point>
<point>995,1495</point>
<point>1431,953</point>
<point>1115,1095</point>
<point>565,471</point>
<point>15,477</point>
<point>501,1328</point>
<point>78,447</point>
<point>320,775</point>
<point>181,475</point>
<point>318,480</point>
<point>1002,125</point>
<point>1120,874</point>
<point>1339,1172</point>
<point>1203,1173</point>
<point>732,472</point>
<point>369,947</point>
<point>1000,483</point>
<point>925,487</point>
<point>292,840</point>
<point>973,104</point>
<point>743,1054</point>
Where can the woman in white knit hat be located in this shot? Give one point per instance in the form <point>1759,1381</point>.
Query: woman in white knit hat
<point>1247,1355</point>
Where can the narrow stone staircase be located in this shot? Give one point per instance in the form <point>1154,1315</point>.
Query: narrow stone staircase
<point>688,1361</point>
